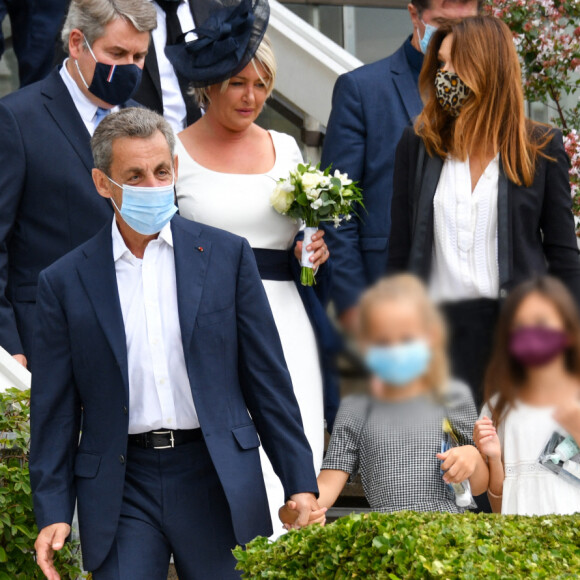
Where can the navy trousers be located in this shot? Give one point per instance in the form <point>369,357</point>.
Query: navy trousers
<point>173,503</point>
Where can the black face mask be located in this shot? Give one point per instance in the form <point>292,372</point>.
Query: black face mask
<point>114,84</point>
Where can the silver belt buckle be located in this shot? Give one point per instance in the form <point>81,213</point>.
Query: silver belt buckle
<point>170,438</point>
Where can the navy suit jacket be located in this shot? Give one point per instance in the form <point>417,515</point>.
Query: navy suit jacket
<point>35,29</point>
<point>48,202</point>
<point>238,376</point>
<point>371,107</point>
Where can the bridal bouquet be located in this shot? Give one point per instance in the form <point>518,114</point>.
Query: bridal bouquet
<point>314,196</point>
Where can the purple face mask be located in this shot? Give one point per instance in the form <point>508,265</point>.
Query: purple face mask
<point>535,346</point>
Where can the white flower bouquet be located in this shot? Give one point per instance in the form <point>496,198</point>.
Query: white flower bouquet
<point>314,196</point>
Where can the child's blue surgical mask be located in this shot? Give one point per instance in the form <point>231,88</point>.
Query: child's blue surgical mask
<point>401,364</point>
<point>424,42</point>
<point>146,209</point>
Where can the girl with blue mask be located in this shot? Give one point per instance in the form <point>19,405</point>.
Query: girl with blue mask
<point>393,437</point>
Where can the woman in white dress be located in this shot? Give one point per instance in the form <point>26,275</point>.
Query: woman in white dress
<point>228,167</point>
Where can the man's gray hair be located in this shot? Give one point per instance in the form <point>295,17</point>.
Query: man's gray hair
<point>91,17</point>
<point>133,122</point>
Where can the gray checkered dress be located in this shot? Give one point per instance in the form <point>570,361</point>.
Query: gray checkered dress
<point>394,447</point>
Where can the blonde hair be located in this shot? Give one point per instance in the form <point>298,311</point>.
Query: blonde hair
<point>264,57</point>
<point>485,58</point>
<point>409,287</point>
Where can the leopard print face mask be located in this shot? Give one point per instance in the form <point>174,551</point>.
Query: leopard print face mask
<point>451,92</point>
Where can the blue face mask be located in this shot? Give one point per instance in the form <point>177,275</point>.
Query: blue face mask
<point>114,84</point>
<point>401,364</point>
<point>146,209</point>
<point>424,42</point>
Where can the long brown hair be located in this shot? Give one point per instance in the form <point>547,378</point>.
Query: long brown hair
<point>505,376</point>
<point>485,58</point>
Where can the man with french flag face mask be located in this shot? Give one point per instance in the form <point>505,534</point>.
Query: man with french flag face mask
<point>48,201</point>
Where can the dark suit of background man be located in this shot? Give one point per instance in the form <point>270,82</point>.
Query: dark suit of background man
<point>161,89</point>
<point>35,26</point>
<point>156,335</point>
<point>48,202</point>
<point>370,108</point>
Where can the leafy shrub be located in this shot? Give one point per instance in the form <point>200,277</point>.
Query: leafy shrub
<point>409,545</point>
<point>18,530</point>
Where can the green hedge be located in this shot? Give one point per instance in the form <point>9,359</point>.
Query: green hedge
<point>409,545</point>
<point>17,527</point>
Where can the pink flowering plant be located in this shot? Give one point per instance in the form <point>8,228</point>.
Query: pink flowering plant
<point>547,37</point>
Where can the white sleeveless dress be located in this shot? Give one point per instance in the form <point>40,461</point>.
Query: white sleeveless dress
<point>240,204</point>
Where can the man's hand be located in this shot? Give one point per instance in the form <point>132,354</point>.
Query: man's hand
<point>349,320</point>
<point>459,463</point>
<point>50,539</point>
<point>304,504</point>
<point>289,514</point>
<point>20,358</point>
<point>486,439</point>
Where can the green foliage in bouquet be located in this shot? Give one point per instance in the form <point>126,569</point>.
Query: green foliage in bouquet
<point>314,196</point>
<point>17,527</point>
<point>410,545</point>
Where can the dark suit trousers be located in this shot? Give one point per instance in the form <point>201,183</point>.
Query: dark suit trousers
<point>173,503</point>
<point>471,326</point>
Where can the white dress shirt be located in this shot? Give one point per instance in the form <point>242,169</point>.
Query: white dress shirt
<point>86,109</point>
<point>174,109</point>
<point>159,390</point>
<point>465,254</point>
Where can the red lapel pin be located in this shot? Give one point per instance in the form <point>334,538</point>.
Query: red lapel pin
<point>199,249</point>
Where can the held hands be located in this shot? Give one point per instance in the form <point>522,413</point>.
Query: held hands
<point>486,439</point>
<point>302,510</point>
<point>50,539</point>
<point>321,253</point>
<point>459,463</point>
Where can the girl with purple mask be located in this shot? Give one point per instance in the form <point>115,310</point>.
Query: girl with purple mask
<point>533,376</point>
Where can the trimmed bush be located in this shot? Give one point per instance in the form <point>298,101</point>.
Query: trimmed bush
<point>410,545</point>
<point>17,527</point>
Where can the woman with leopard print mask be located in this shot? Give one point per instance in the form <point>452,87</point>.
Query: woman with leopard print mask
<point>481,194</point>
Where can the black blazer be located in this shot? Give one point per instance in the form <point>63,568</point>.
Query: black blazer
<point>536,230</point>
<point>150,93</point>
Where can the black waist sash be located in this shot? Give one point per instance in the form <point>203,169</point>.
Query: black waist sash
<point>274,264</point>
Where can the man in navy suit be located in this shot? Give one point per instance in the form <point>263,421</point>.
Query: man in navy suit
<point>48,202</point>
<point>157,337</point>
<point>370,108</point>
<point>35,27</point>
<point>162,89</point>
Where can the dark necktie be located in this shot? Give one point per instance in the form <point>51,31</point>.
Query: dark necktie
<point>174,33</point>
<point>171,20</point>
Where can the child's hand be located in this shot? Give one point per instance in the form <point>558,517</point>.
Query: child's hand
<point>486,439</point>
<point>459,463</point>
<point>289,514</point>
<point>569,417</point>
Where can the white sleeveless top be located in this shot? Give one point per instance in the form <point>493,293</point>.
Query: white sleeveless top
<point>529,488</point>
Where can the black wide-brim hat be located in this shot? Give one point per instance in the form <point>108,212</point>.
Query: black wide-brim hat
<point>225,40</point>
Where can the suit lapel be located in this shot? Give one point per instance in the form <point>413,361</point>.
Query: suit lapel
<point>422,243</point>
<point>191,262</point>
<point>152,69</point>
<point>99,279</point>
<point>503,237</point>
<point>61,107</point>
<point>406,85</point>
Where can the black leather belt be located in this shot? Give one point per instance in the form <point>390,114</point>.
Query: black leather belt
<point>165,438</point>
